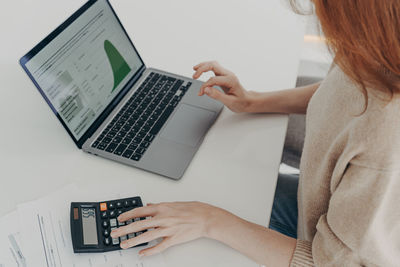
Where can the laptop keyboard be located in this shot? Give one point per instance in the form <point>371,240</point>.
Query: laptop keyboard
<point>135,126</point>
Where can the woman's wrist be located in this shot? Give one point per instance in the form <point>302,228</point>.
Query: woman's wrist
<point>219,223</point>
<point>263,245</point>
<point>256,102</point>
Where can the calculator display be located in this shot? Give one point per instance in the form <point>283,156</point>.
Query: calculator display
<point>89,226</point>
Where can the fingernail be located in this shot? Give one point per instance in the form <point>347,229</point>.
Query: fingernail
<point>123,246</point>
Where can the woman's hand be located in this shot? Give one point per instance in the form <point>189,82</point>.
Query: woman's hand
<point>176,223</point>
<point>235,97</point>
<point>180,222</point>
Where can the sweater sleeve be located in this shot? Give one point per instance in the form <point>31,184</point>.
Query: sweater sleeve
<point>302,255</point>
<point>361,226</point>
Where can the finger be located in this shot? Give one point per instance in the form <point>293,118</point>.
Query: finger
<point>202,64</point>
<point>207,66</point>
<point>219,96</point>
<point>135,227</point>
<point>198,65</point>
<point>210,66</point>
<point>224,81</point>
<point>144,238</point>
<point>138,213</point>
<point>163,245</point>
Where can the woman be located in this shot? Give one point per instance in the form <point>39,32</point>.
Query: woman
<point>349,187</point>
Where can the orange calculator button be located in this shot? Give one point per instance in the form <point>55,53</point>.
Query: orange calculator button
<point>103,206</point>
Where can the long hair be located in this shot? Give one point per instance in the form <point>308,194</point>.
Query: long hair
<point>364,36</point>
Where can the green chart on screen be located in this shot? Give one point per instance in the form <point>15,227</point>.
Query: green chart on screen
<point>118,64</point>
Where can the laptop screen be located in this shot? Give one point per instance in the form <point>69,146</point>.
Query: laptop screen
<point>82,69</point>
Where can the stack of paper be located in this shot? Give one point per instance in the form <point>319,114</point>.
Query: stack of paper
<point>38,234</point>
<point>10,242</point>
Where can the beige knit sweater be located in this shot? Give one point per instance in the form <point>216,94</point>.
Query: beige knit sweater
<point>349,189</point>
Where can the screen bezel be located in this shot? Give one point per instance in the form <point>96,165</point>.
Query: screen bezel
<point>114,102</point>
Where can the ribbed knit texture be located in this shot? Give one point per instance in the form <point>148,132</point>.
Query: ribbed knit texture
<point>302,256</point>
<point>349,187</point>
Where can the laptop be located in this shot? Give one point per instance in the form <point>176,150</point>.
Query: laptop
<point>110,103</point>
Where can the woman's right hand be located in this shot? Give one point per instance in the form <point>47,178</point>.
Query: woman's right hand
<point>234,96</point>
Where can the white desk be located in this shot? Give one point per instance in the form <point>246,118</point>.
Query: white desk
<point>237,165</point>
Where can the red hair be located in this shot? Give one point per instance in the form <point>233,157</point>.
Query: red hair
<point>364,35</point>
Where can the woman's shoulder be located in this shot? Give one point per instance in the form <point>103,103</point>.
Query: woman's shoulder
<point>376,132</point>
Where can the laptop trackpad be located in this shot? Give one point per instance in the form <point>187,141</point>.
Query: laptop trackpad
<point>188,125</point>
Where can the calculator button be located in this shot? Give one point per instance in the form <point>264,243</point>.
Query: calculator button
<point>123,238</point>
<point>115,241</point>
<point>103,206</point>
<point>105,224</point>
<point>111,206</point>
<point>132,235</point>
<point>113,223</point>
<point>106,233</point>
<point>112,213</point>
<point>136,219</point>
<point>107,241</point>
<point>121,223</point>
<point>134,202</point>
<point>104,215</point>
<point>127,203</point>
<point>119,204</point>
<point>129,222</point>
<point>119,212</point>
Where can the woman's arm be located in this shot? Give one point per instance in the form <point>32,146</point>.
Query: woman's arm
<point>263,245</point>
<point>236,98</point>
<point>285,101</point>
<point>181,222</point>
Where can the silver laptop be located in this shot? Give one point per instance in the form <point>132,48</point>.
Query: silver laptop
<point>110,103</point>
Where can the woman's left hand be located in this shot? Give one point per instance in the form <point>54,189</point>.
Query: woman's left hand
<point>176,223</point>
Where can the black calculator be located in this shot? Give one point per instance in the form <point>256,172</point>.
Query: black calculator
<point>92,223</point>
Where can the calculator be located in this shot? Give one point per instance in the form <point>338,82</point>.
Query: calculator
<point>92,223</point>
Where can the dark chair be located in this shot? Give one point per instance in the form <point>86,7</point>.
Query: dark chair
<point>296,128</point>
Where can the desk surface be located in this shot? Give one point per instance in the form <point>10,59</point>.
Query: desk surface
<point>237,165</point>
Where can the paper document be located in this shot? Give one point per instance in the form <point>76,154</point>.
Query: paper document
<point>45,229</point>
<point>10,242</point>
